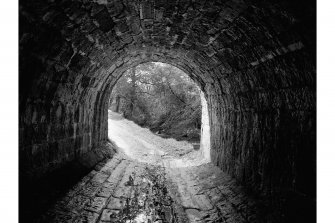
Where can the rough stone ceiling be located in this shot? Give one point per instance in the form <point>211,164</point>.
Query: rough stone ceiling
<point>205,38</point>
<point>254,60</point>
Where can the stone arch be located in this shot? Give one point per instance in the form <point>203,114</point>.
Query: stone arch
<point>255,61</point>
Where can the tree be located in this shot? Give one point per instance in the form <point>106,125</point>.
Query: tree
<point>160,96</point>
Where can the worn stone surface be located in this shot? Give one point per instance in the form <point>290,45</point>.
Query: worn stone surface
<point>150,200</point>
<point>158,195</point>
<point>216,196</point>
<point>254,61</point>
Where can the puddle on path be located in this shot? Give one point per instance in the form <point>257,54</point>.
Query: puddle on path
<point>149,201</point>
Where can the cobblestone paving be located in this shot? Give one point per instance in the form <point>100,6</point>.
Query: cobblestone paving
<point>120,190</point>
<point>209,195</point>
<point>125,190</point>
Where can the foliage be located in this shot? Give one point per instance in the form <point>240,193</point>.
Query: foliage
<point>159,96</point>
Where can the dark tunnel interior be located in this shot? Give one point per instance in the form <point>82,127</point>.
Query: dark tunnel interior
<point>255,61</point>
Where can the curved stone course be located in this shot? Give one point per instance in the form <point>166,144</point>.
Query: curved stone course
<point>254,61</point>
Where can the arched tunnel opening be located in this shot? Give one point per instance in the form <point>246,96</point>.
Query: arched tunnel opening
<point>158,99</point>
<point>255,63</point>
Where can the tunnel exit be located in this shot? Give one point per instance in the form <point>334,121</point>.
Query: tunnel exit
<point>157,114</point>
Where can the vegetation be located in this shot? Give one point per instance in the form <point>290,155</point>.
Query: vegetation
<point>161,97</point>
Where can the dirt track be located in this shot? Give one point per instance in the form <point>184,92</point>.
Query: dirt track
<point>144,146</point>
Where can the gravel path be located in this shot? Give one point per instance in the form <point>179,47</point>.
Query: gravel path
<point>144,146</point>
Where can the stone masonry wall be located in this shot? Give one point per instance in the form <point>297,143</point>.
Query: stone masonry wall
<point>254,61</point>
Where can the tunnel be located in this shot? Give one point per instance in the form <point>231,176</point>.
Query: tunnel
<point>255,62</point>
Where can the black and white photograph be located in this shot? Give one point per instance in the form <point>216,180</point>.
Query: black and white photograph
<point>164,111</point>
